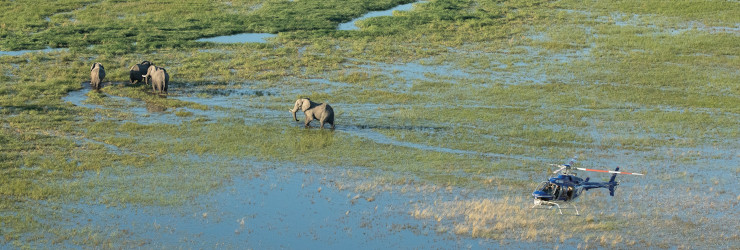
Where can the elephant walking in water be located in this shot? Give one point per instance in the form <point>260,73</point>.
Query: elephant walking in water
<point>319,111</point>
<point>160,78</point>
<point>137,72</point>
<point>97,74</point>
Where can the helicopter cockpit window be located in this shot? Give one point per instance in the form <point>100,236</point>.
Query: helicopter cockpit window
<point>545,187</point>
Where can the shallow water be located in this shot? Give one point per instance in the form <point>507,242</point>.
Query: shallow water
<point>21,52</point>
<point>351,24</point>
<point>517,73</point>
<point>648,21</point>
<point>284,206</point>
<point>415,71</point>
<point>240,38</point>
<point>140,111</point>
<point>79,96</point>
<point>368,133</point>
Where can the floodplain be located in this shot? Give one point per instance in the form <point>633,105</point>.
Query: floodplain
<point>448,114</point>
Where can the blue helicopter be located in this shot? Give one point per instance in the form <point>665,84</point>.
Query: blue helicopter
<point>566,187</point>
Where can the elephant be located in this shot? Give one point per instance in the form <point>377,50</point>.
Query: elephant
<point>147,76</point>
<point>97,74</point>
<point>137,72</point>
<point>319,111</point>
<point>160,78</point>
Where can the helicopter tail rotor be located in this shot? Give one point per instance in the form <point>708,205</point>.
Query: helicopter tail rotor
<point>614,175</point>
<point>612,182</point>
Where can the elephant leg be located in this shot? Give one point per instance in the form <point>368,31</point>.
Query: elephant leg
<point>309,118</point>
<point>325,120</point>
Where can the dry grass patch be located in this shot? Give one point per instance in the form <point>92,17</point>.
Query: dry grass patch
<point>513,219</point>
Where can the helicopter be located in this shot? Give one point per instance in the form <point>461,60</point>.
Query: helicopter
<point>566,187</point>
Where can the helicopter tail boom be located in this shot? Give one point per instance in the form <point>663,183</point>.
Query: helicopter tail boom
<point>608,171</point>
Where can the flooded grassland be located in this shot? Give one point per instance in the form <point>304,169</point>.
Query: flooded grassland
<point>447,114</point>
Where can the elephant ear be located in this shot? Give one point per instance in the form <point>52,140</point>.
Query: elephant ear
<point>92,67</point>
<point>305,104</point>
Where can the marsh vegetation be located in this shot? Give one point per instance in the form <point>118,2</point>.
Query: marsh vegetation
<point>460,104</point>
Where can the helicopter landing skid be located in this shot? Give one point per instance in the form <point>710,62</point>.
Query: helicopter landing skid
<point>551,204</point>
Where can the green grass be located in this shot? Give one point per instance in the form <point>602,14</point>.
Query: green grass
<point>117,28</point>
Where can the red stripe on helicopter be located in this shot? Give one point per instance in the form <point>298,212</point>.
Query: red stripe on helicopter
<point>608,171</point>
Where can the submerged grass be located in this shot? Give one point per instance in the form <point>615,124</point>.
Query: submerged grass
<point>510,219</point>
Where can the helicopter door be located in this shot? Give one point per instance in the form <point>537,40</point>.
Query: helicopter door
<point>569,192</point>
<point>563,193</point>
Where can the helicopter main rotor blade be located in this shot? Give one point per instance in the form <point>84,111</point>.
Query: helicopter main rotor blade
<point>560,167</point>
<point>608,171</point>
<point>573,160</point>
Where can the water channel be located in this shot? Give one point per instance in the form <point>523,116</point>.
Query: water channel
<point>21,52</point>
<point>264,37</point>
<point>389,12</point>
<point>240,38</point>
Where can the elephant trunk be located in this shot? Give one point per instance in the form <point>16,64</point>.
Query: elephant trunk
<point>295,109</point>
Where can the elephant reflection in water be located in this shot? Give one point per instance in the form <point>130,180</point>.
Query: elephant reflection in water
<point>319,111</point>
